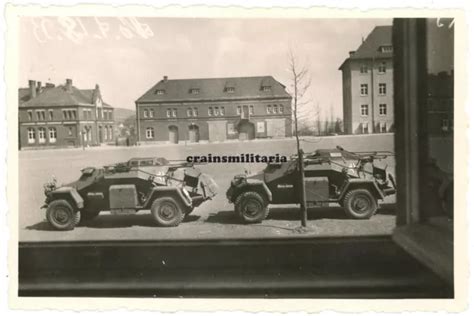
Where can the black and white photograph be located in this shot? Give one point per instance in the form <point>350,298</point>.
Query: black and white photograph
<point>236,156</point>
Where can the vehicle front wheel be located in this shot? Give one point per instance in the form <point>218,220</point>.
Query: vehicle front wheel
<point>360,204</point>
<point>251,207</point>
<point>167,212</point>
<point>61,215</point>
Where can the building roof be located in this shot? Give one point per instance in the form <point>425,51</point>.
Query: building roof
<point>167,90</point>
<point>58,96</point>
<point>371,47</point>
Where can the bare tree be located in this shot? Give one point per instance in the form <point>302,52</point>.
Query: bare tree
<point>331,120</point>
<point>300,83</point>
<point>317,117</point>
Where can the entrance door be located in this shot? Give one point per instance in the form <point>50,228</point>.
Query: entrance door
<point>193,134</point>
<point>173,134</point>
<point>246,131</point>
<point>100,135</point>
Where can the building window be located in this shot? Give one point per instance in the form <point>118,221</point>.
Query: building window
<point>382,88</point>
<point>365,128</point>
<point>30,116</point>
<point>31,136</point>
<point>269,109</point>
<point>168,112</point>
<point>386,49</point>
<point>222,111</point>
<point>111,132</point>
<point>229,89</point>
<point>73,114</point>
<point>150,133</point>
<point>106,132</point>
<point>364,109</point>
<point>363,69</point>
<point>281,108</point>
<point>266,88</point>
<point>51,115</point>
<point>231,128</point>
<point>65,114</point>
<point>383,127</point>
<point>383,109</point>
<point>145,113</point>
<point>40,115</point>
<point>189,112</point>
<point>216,111</point>
<point>195,112</point>
<point>251,109</point>
<point>159,91</point>
<point>152,113</point>
<point>69,131</point>
<point>364,89</point>
<point>382,67</point>
<point>52,135</point>
<point>41,135</point>
<point>210,112</point>
<point>239,110</point>
<point>275,109</point>
<point>175,112</point>
<point>194,91</point>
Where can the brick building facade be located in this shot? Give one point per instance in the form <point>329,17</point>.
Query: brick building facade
<point>63,116</point>
<point>367,85</point>
<point>216,109</point>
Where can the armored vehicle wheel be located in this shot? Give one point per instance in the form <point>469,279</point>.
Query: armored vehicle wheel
<point>62,216</point>
<point>89,215</point>
<point>251,207</point>
<point>360,204</point>
<point>167,212</point>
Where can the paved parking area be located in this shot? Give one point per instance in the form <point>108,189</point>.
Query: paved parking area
<point>214,219</point>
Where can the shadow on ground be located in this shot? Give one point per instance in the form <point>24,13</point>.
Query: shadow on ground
<point>113,221</point>
<point>293,214</point>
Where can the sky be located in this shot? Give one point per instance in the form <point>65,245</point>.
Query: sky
<point>127,56</point>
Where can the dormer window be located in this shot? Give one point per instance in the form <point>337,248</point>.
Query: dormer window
<point>229,89</point>
<point>266,88</point>
<point>194,91</point>
<point>386,48</point>
<point>159,91</point>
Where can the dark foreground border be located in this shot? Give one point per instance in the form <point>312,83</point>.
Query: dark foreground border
<point>356,267</point>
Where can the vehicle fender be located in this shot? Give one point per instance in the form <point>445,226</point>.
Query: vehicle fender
<point>253,185</point>
<point>174,192</point>
<point>70,194</point>
<point>362,183</point>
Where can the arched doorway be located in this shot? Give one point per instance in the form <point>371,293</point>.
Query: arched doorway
<point>173,134</point>
<point>246,130</point>
<point>193,133</point>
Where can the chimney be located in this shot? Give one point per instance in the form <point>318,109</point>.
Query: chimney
<point>49,85</point>
<point>32,86</point>
<point>69,85</point>
<point>351,53</point>
<point>165,78</point>
<point>38,87</point>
